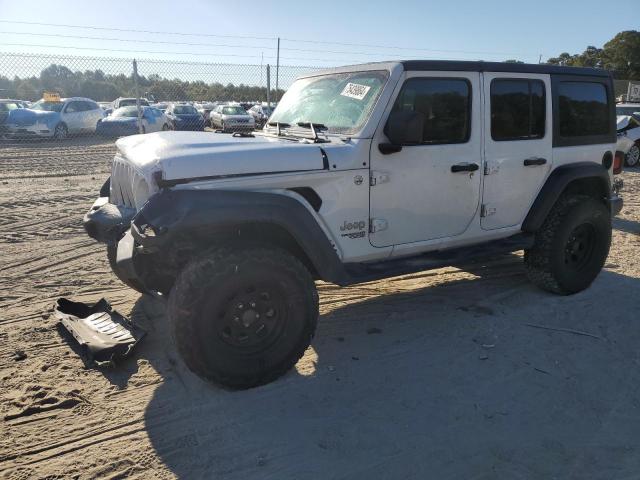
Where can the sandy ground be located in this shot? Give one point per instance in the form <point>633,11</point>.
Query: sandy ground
<point>436,375</point>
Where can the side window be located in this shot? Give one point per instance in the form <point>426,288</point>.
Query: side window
<point>445,104</point>
<point>92,106</point>
<point>72,107</point>
<point>518,109</point>
<point>583,109</point>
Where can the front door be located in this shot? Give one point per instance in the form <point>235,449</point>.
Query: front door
<point>73,116</point>
<point>518,145</point>
<point>430,190</point>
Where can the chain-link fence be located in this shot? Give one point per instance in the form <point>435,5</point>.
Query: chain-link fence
<point>70,96</point>
<point>60,115</point>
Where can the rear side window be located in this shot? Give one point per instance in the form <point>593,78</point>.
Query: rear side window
<point>518,109</point>
<point>583,109</point>
<point>445,104</point>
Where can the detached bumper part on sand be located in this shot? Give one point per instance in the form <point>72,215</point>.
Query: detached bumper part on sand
<point>104,335</point>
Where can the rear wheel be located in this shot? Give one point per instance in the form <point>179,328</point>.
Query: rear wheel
<point>572,245</point>
<point>632,158</point>
<point>243,317</point>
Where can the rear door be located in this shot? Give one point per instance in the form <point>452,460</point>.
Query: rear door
<point>518,145</point>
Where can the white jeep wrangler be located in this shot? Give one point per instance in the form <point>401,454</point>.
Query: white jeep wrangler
<point>362,172</point>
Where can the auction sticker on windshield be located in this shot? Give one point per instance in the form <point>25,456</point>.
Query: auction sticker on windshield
<point>355,90</point>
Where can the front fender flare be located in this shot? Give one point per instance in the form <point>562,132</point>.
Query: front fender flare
<point>174,213</point>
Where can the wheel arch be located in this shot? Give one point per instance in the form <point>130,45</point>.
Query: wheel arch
<point>586,178</point>
<point>188,222</point>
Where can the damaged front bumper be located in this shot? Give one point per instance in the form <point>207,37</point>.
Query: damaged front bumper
<point>110,224</point>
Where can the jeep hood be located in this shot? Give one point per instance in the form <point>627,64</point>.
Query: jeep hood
<point>181,155</point>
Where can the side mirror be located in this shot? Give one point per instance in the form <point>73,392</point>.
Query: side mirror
<point>405,128</point>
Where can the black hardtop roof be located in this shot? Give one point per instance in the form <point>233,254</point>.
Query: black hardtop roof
<point>479,66</point>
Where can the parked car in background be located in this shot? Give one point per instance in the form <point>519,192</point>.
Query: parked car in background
<point>627,109</point>
<point>205,110</point>
<point>260,114</point>
<point>124,121</point>
<point>5,107</point>
<point>129,102</point>
<point>628,129</point>
<point>232,118</point>
<point>161,106</point>
<point>105,105</point>
<point>54,118</point>
<point>126,102</point>
<point>184,117</point>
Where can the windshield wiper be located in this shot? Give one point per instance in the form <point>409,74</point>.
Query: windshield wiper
<point>315,128</point>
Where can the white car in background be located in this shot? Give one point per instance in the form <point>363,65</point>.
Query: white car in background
<point>55,118</point>
<point>232,118</point>
<point>628,127</point>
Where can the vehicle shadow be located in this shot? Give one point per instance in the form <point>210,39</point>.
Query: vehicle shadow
<point>436,375</point>
<point>626,225</point>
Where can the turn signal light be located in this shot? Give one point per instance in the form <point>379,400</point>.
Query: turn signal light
<point>618,161</point>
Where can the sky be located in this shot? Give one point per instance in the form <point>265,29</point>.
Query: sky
<point>354,32</point>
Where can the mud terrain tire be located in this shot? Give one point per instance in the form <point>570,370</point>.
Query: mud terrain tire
<point>572,245</point>
<point>243,317</point>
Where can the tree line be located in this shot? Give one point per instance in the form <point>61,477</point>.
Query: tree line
<point>620,55</point>
<point>97,85</point>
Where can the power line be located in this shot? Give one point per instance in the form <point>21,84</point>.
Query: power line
<point>91,27</point>
<point>322,42</point>
<point>191,44</point>
<point>82,37</point>
<point>209,54</point>
<point>130,51</point>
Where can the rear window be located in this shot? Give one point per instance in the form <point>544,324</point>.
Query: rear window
<point>234,111</point>
<point>517,109</point>
<point>184,110</point>
<point>583,109</point>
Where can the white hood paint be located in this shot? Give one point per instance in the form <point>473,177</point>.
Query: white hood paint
<point>202,154</point>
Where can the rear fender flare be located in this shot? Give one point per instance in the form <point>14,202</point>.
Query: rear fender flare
<point>557,183</point>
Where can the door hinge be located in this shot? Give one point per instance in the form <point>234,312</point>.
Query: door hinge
<point>491,167</point>
<point>377,225</point>
<point>377,178</point>
<point>486,210</point>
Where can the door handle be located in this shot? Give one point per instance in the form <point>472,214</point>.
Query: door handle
<point>464,167</point>
<point>530,162</point>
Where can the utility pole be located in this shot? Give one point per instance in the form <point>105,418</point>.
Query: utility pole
<point>268,84</point>
<point>277,69</point>
<point>137,92</point>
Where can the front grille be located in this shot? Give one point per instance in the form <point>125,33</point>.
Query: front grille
<point>123,178</point>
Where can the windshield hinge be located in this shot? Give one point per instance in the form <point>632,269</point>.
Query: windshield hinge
<point>377,225</point>
<point>377,178</point>
<point>491,168</point>
<point>487,211</point>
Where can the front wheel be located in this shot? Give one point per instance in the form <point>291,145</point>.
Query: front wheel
<point>572,245</point>
<point>632,158</point>
<point>60,132</point>
<point>243,317</point>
